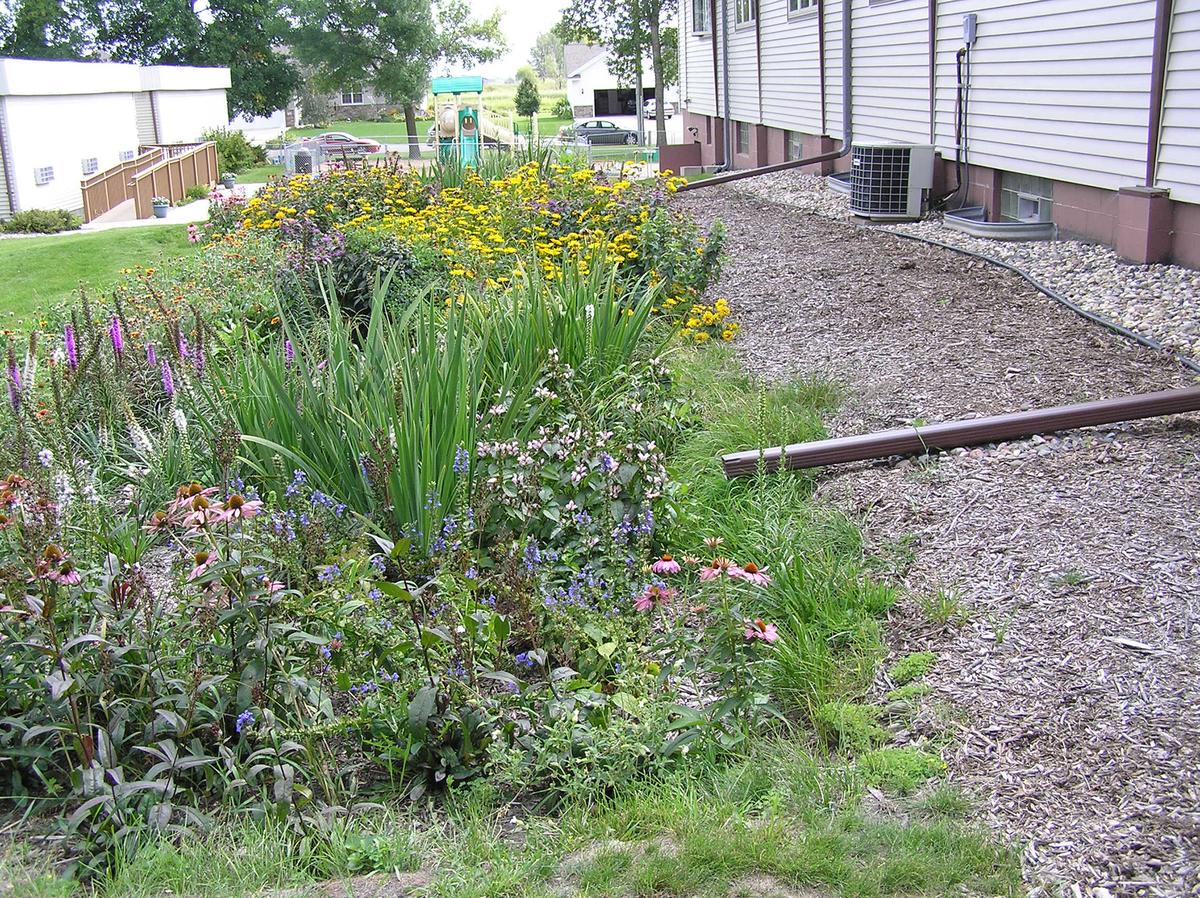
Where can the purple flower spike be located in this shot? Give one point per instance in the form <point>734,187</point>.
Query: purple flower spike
<point>14,386</point>
<point>199,362</point>
<point>289,352</point>
<point>72,349</point>
<point>167,380</point>
<point>151,356</point>
<point>118,340</point>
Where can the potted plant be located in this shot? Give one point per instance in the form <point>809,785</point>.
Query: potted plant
<point>161,204</point>
<point>228,180</point>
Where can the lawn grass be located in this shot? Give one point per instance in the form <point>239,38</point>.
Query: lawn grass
<point>38,272</point>
<point>259,174</point>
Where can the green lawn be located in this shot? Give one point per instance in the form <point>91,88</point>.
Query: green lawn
<point>259,174</point>
<point>395,132</point>
<point>36,272</point>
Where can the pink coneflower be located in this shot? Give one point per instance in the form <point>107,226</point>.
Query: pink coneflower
<point>271,586</point>
<point>186,493</point>
<point>665,565</point>
<point>751,573</point>
<point>760,629</point>
<point>118,339</point>
<point>202,560</point>
<point>653,595</point>
<point>202,513</point>
<point>713,541</point>
<point>719,566</point>
<point>67,573</point>
<point>238,508</point>
<point>159,522</point>
<point>193,233</point>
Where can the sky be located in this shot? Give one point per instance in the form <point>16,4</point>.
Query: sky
<point>522,21</point>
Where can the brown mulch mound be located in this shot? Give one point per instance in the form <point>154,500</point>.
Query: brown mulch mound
<point>1069,684</point>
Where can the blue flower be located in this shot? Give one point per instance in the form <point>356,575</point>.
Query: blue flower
<point>329,574</point>
<point>244,719</point>
<point>462,460</point>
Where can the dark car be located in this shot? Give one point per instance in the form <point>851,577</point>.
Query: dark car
<point>598,131</point>
<point>337,142</point>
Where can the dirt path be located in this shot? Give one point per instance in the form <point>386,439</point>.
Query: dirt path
<point>1069,684</point>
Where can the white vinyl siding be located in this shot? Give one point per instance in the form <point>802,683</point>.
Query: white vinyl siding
<point>1059,88</point>
<point>743,69</point>
<point>791,70</point>
<point>695,68</point>
<point>891,71</point>
<point>1179,143</point>
<point>833,69</point>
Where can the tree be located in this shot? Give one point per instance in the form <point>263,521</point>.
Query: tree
<point>393,45</point>
<point>527,102</point>
<point>240,34</point>
<point>548,56</point>
<point>631,30</point>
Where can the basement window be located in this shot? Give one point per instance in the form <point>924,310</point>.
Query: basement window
<point>43,175</point>
<point>91,165</point>
<point>743,138</point>
<point>746,12</point>
<point>700,23</point>
<point>793,145</point>
<point>127,155</point>
<point>1025,198</point>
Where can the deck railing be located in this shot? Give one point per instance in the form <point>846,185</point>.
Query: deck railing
<point>108,189</point>
<point>172,176</point>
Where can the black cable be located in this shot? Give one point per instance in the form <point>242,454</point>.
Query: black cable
<point>960,129</point>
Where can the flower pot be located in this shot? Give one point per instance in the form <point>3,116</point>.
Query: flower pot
<point>161,211</point>
<point>227,181</point>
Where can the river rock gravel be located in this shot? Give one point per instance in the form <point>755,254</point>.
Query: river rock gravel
<point>1161,302</point>
<point>1057,577</point>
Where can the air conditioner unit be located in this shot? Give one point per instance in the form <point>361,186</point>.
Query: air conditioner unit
<point>888,181</point>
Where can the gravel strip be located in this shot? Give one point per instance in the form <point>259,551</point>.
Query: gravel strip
<point>1161,302</point>
<point>1057,578</point>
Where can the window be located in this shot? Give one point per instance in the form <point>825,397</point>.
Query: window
<point>796,7</point>
<point>700,23</point>
<point>746,12</point>
<point>708,129</point>
<point>91,165</point>
<point>743,138</point>
<point>352,96</point>
<point>793,145</point>
<point>43,175</point>
<point>127,155</point>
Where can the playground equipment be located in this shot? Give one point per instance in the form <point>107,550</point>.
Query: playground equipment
<point>462,129</point>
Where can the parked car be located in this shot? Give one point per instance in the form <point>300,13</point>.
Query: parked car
<point>598,131</point>
<point>651,107</point>
<point>338,142</point>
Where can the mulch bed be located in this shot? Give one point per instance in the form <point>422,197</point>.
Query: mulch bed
<point>1070,686</point>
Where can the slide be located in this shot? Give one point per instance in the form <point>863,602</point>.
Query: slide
<point>447,121</point>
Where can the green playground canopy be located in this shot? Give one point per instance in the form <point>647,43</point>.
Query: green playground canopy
<point>463,84</point>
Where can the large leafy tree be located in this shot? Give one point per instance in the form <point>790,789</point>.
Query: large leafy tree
<point>242,34</point>
<point>631,30</point>
<point>547,56</point>
<point>393,45</point>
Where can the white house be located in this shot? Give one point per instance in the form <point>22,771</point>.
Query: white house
<point>592,90</point>
<point>62,122</point>
<point>1094,108</point>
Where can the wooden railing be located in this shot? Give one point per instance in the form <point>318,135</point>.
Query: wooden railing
<point>110,188</point>
<point>173,175</point>
<point>171,149</point>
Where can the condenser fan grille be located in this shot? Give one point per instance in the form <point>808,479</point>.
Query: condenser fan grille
<point>887,180</point>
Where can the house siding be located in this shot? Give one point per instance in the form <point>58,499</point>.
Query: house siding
<point>1057,89</point>
<point>1179,143</point>
<point>696,73</point>
<point>891,71</point>
<point>743,64</point>
<point>791,68</point>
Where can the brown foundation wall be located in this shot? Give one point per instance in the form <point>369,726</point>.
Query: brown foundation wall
<point>1144,226</point>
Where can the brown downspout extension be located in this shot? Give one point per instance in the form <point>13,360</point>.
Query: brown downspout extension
<point>956,434</point>
<point>1163,14</point>
<point>847,121</point>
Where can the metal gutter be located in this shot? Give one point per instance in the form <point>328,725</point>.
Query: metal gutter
<point>958,434</point>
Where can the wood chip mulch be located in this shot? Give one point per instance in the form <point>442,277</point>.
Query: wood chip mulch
<point>1067,687</point>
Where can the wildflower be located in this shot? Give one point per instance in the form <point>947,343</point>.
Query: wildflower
<point>665,565</point>
<point>158,523</point>
<point>654,594</point>
<point>245,719</point>
<point>524,660</point>
<point>271,586</point>
<point>751,573</point>
<point>168,381</point>
<point>462,460</point>
<point>713,541</point>
<point>118,340</point>
<point>179,420</point>
<point>151,356</point>
<point>14,381</point>
<point>193,234</point>
<point>289,352</point>
<point>759,629</point>
<point>45,458</point>
<point>69,343</point>
<point>238,508</point>
<point>718,566</point>
<point>329,573</point>
<point>203,560</point>
<point>202,513</point>
<point>67,574</point>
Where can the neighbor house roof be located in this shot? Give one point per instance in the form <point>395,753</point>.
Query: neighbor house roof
<point>576,56</point>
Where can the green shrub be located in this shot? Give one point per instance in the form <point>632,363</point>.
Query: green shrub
<point>234,152</point>
<point>42,221</point>
<point>562,108</point>
<point>900,769</point>
<point>196,192</point>
<point>850,726</point>
<point>912,667</point>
